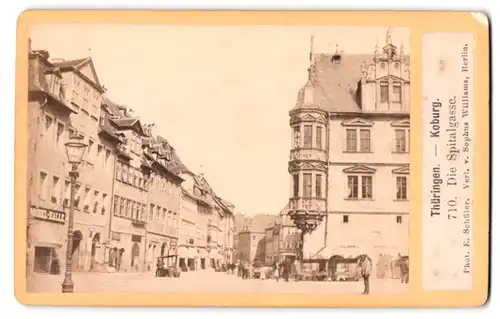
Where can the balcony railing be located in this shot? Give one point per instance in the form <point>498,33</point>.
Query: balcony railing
<point>308,203</point>
<point>314,154</point>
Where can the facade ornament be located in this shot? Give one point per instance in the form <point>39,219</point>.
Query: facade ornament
<point>364,69</point>
<point>388,36</point>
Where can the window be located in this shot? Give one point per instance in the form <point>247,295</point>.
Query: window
<point>49,122</point>
<point>307,184</point>
<point>118,171</point>
<point>318,185</point>
<point>106,159</point>
<point>399,219</point>
<point>296,185</point>
<point>59,133</point>
<point>128,208</point>
<point>91,150</point>
<point>384,92</point>
<point>364,139</point>
<point>99,154</point>
<point>164,214</point>
<point>352,139</point>
<point>308,136</point>
<point>396,93</point>
<point>95,205</point>
<point>296,137</point>
<point>104,204</point>
<point>121,210</point>
<point>366,187</point>
<point>67,191</point>
<point>151,209</point>
<point>43,186</point>
<point>124,173</point>
<point>319,137</point>
<point>86,198</point>
<point>345,219</point>
<point>352,185</point>
<point>402,188</point>
<point>56,192</point>
<point>400,141</point>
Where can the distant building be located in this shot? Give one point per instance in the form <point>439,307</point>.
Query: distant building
<point>349,161</point>
<point>282,239</point>
<point>252,237</point>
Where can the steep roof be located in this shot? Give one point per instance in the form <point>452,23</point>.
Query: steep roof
<point>335,85</point>
<point>38,67</point>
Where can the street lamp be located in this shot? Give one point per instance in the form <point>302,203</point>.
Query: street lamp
<point>75,148</point>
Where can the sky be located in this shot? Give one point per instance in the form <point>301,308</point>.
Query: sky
<point>220,95</point>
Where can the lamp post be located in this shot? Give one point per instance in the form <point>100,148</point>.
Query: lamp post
<point>75,148</point>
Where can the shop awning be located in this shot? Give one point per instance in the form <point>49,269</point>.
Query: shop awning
<point>182,252</point>
<point>192,253</point>
<point>203,253</point>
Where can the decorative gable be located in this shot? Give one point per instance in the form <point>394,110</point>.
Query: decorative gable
<point>392,78</point>
<point>402,170</point>
<point>359,169</point>
<point>401,123</point>
<point>87,68</point>
<point>357,122</point>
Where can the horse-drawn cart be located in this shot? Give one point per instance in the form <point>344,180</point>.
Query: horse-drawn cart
<point>166,266</point>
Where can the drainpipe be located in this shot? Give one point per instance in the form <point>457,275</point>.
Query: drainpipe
<point>325,239</point>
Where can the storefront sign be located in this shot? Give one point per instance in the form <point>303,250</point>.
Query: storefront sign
<point>50,215</point>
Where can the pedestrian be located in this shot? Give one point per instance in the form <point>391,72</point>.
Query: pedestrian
<point>404,267</point>
<point>366,269</point>
<point>286,269</point>
<point>276,270</point>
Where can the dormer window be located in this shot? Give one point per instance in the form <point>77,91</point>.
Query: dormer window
<point>384,92</point>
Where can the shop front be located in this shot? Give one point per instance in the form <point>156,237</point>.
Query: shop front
<point>47,241</point>
<point>202,252</point>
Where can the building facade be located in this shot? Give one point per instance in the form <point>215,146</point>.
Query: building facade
<point>349,161</point>
<point>49,112</point>
<point>164,197</point>
<point>134,200</point>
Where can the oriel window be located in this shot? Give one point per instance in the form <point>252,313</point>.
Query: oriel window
<point>308,136</point>
<point>296,185</point>
<point>319,137</point>
<point>307,184</point>
<point>317,185</point>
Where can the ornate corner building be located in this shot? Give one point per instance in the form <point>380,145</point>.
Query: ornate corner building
<point>349,159</point>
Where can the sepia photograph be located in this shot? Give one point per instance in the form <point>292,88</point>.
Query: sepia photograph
<point>218,159</point>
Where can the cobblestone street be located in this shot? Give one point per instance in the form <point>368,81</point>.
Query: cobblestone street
<point>203,282</point>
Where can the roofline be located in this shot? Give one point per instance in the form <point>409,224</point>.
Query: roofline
<point>83,76</point>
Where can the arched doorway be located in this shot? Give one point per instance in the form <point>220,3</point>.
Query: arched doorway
<point>75,253</point>
<point>134,254</point>
<point>95,242</point>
